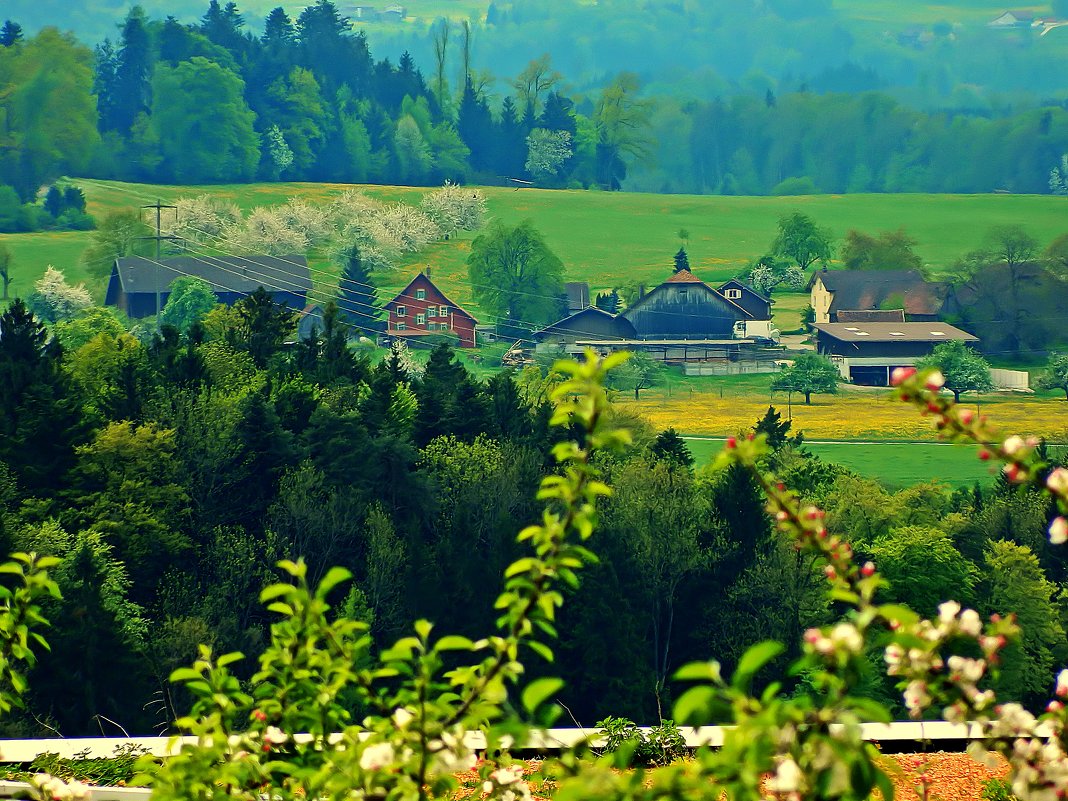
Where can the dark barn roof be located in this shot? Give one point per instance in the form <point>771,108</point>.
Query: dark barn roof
<point>591,323</point>
<point>240,274</point>
<point>868,289</point>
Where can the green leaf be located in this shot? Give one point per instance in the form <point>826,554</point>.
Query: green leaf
<point>454,642</point>
<point>274,591</point>
<point>694,704</point>
<point>753,660</point>
<point>185,674</point>
<point>539,691</point>
<point>541,649</point>
<point>333,577</point>
<point>699,671</point>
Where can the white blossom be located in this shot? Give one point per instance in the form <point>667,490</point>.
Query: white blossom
<point>1058,481</point>
<point>787,777</point>
<point>1058,531</point>
<point>376,756</point>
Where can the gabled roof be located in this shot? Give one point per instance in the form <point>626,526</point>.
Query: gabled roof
<point>423,278</point>
<point>241,274</point>
<point>894,332</point>
<point>686,277</point>
<point>868,289</point>
<point>742,285</point>
<point>567,323</point>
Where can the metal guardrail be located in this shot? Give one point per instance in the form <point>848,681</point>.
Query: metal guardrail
<point>25,751</point>
<point>900,734</point>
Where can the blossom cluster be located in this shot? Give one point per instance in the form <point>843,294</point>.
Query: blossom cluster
<point>46,787</point>
<point>1019,455</point>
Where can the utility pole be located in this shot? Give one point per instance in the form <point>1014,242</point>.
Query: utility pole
<point>159,207</point>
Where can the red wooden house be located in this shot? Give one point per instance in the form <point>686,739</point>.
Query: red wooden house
<point>421,309</point>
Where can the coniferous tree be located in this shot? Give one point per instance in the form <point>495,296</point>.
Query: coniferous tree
<point>264,325</point>
<point>670,447</point>
<point>357,296</point>
<point>10,34</point>
<point>133,69</point>
<point>105,64</point>
<point>475,126</point>
<point>53,202</point>
<point>39,415</point>
<point>607,301</point>
<point>682,261</point>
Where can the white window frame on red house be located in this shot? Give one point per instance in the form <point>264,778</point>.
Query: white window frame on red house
<point>431,311</point>
<point>402,326</point>
<point>443,311</point>
<point>402,311</point>
<point>420,319</point>
<point>420,294</point>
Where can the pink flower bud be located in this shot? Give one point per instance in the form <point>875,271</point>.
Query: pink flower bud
<point>830,572</point>
<point>1014,473</point>
<point>1054,706</point>
<point>732,443</point>
<point>868,570</point>
<point>901,375</point>
<point>966,416</point>
<point>935,381</point>
<point>984,454</point>
<point>1013,445</point>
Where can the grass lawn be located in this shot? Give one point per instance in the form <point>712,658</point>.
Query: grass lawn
<point>894,464</point>
<point>611,238</point>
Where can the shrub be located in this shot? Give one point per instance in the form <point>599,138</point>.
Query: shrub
<point>663,745</point>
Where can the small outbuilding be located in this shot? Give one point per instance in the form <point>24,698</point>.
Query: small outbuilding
<point>589,324</point>
<point>867,353</point>
<point>140,286</point>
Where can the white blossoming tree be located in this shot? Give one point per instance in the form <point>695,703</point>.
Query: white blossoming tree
<point>55,300</point>
<point>455,208</point>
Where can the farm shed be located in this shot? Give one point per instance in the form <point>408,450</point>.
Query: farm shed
<point>685,307</point>
<point>867,353</point>
<point>136,281</point>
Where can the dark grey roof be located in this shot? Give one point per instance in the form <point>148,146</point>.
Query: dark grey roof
<point>572,324</point>
<point>868,289</point>
<point>894,332</point>
<point>872,316</point>
<point>243,274</point>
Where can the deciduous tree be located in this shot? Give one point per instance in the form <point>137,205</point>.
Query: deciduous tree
<point>809,373</point>
<point>963,368</point>
<point>516,276</point>
<point>802,241</point>
<point>189,300</point>
<point>1055,376</point>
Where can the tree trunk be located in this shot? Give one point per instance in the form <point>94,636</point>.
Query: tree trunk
<point>808,398</point>
<point>956,395</point>
<point>635,393</point>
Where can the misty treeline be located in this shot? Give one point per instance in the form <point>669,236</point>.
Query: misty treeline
<point>306,100</point>
<point>170,471</point>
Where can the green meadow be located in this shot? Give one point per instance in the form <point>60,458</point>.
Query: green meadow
<point>893,464</point>
<point>604,238</point>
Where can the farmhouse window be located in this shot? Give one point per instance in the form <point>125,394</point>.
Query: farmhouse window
<point>683,294</point>
<point>443,311</point>
<point>733,294</point>
<point>443,326</point>
<point>402,311</point>
<point>402,326</point>
<point>420,319</point>
<point>431,311</point>
<point>420,294</point>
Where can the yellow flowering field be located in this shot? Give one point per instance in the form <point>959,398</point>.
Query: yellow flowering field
<point>852,415</point>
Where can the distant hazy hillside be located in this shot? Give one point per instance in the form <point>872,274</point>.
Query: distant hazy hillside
<point>942,55</point>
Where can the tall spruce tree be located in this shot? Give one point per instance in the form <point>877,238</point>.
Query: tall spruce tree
<point>133,69</point>
<point>40,418</point>
<point>682,261</point>
<point>10,34</point>
<point>357,296</point>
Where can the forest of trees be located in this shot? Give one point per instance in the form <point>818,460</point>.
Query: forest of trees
<point>171,473</point>
<point>306,100</point>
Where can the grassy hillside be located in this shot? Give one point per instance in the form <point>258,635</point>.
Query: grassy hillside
<point>607,238</point>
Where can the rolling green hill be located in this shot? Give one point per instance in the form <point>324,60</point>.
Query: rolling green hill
<point>607,238</point>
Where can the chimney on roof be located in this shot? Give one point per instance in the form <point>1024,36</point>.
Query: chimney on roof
<point>426,272</point>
